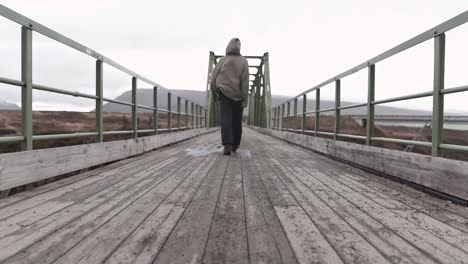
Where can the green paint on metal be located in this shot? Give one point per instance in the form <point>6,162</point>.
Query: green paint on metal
<point>26,90</point>
<point>210,93</point>
<point>134,108</point>
<point>317,111</point>
<point>197,120</point>
<point>99,101</point>
<point>186,113</point>
<point>304,110</point>
<point>169,112</point>
<point>192,116</point>
<point>295,115</point>
<point>337,107</point>
<point>438,98</point>
<point>179,110</point>
<point>282,116</point>
<point>370,106</point>
<point>155,111</point>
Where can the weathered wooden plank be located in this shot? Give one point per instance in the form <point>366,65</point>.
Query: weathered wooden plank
<point>227,241</point>
<point>427,221</point>
<point>444,175</point>
<point>348,243</point>
<point>442,230</point>
<point>444,211</point>
<point>67,183</point>
<point>361,216</point>
<point>187,241</point>
<point>267,241</point>
<point>101,243</point>
<point>423,239</point>
<point>54,201</point>
<point>306,240</point>
<point>30,234</point>
<point>395,248</point>
<point>143,245</point>
<point>25,167</point>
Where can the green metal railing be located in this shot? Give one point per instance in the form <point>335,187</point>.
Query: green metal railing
<point>438,92</point>
<point>259,92</point>
<point>198,118</point>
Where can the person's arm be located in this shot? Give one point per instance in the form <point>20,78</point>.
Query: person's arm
<point>214,75</point>
<point>245,85</point>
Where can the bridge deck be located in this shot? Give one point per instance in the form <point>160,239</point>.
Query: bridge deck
<point>271,203</point>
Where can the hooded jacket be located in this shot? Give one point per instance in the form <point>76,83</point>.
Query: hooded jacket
<point>231,74</point>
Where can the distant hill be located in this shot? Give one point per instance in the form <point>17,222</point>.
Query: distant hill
<point>145,97</point>
<point>8,106</point>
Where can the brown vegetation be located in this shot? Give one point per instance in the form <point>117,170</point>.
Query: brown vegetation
<point>55,122</point>
<point>49,122</point>
<point>350,126</point>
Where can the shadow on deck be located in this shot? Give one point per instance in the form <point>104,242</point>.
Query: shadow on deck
<point>269,203</point>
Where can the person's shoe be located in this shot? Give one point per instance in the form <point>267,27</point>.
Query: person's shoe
<point>234,148</point>
<point>227,150</point>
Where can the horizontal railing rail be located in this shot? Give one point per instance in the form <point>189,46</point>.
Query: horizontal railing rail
<point>197,112</point>
<point>281,114</point>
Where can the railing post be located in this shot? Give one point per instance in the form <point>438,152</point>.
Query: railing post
<point>206,120</point>
<point>288,115</point>
<point>155,111</point>
<point>200,109</point>
<point>99,101</point>
<point>196,116</point>
<point>186,114</point>
<point>438,97</point>
<point>26,91</point>
<point>178,113</point>
<point>279,118</point>
<point>201,116</point>
<point>192,115</point>
<point>337,106</point>
<point>295,115</point>
<point>169,113</point>
<point>134,108</point>
<point>274,117</point>
<point>317,109</point>
<point>282,116</point>
<point>304,110</point>
<point>370,105</point>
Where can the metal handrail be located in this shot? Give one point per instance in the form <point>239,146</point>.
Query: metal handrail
<point>198,114</point>
<point>438,34</point>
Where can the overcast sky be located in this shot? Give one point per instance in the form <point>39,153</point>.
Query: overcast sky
<point>168,42</point>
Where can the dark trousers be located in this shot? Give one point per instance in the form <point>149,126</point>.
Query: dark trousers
<point>231,120</point>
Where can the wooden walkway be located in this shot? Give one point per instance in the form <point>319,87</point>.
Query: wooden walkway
<point>269,203</point>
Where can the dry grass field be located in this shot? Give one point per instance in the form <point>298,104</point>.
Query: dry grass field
<point>55,122</point>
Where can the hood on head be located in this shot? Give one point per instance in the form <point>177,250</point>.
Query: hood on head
<point>234,46</point>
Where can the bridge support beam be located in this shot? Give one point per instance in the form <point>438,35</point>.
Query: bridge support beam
<point>295,115</point>
<point>304,110</point>
<point>155,111</point>
<point>317,111</point>
<point>438,97</point>
<point>337,106</point>
<point>134,108</point>
<point>99,101</point>
<point>169,113</point>
<point>26,91</point>
<point>370,104</point>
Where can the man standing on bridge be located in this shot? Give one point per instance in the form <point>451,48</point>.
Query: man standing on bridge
<point>230,82</point>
